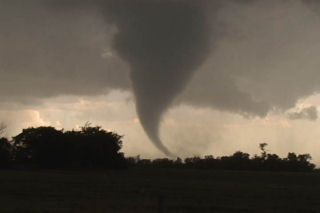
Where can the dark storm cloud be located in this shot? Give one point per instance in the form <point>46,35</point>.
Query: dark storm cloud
<point>308,113</point>
<point>47,52</point>
<point>248,57</point>
<point>265,60</point>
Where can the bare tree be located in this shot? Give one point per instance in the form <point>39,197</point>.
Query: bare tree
<point>263,150</point>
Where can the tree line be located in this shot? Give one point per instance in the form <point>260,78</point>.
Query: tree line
<point>47,147</point>
<point>94,147</point>
<point>237,161</point>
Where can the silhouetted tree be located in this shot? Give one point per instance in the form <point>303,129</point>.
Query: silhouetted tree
<point>95,147</point>
<point>193,162</point>
<point>91,147</point>
<point>298,162</point>
<point>272,162</point>
<point>263,150</point>
<point>146,163</point>
<point>178,163</point>
<point>44,146</point>
<point>132,161</point>
<point>163,163</point>
<point>304,163</point>
<point>5,153</point>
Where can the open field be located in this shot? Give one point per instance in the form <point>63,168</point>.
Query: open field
<point>157,190</point>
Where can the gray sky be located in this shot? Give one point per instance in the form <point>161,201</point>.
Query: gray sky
<point>200,77</point>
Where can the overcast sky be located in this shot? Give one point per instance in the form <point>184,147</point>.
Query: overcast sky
<point>174,77</point>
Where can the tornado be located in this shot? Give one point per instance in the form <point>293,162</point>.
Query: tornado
<point>163,42</point>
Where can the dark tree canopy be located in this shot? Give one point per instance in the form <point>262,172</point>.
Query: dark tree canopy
<point>43,145</point>
<point>90,147</point>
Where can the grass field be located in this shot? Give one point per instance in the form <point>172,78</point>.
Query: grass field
<point>156,190</point>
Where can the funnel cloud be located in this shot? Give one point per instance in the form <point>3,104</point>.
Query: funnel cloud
<point>164,42</point>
